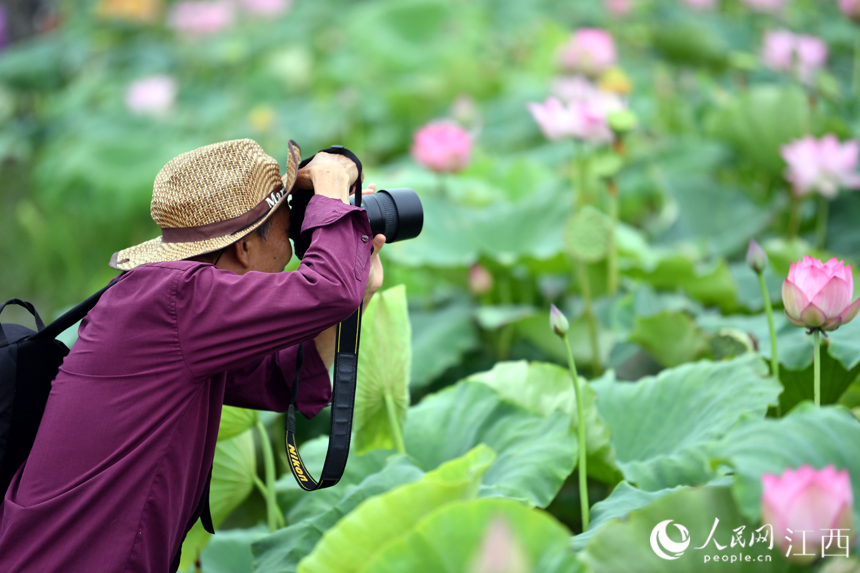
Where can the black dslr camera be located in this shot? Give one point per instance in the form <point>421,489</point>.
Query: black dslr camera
<point>396,213</point>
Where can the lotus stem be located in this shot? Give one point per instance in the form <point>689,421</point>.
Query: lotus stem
<point>612,260</point>
<point>768,307</point>
<point>273,512</point>
<point>817,366</point>
<point>591,321</point>
<point>580,434</point>
<point>821,224</point>
<point>394,423</point>
<point>794,217</point>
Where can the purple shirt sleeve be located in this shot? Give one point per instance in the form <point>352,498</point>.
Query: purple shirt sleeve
<point>246,324</point>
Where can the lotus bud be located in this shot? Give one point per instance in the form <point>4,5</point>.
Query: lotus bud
<point>818,295</point>
<point>500,551</point>
<point>756,257</point>
<point>850,8</point>
<point>557,321</point>
<point>810,500</point>
<point>480,280</point>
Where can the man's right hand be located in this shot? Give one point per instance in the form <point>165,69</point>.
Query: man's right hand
<point>328,175</point>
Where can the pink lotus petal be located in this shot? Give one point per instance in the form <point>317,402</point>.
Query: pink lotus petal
<point>850,312</point>
<point>812,316</point>
<point>794,299</point>
<point>811,281</point>
<point>833,297</point>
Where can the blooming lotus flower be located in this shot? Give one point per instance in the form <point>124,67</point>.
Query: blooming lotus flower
<point>151,95</point>
<point>267,7</point>
<point>442,147</point>
<point>590,51</point>
<point>480,280</point>
<point>618,7</point>
<point>201,17</point>
<point>771,6</point>
<point>850,8</point>
<point>818,295</point>
<point>701,4</point>
<point>557,321</point>
<point>583,117</point>
<point>799,54</point>
<point>823,165</point>
<point>808,500</point>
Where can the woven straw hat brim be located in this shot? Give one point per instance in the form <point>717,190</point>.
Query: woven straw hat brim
<point>157,251</point>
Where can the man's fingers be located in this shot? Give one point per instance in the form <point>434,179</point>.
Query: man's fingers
<point>378,241</point>
<point>371,188</point>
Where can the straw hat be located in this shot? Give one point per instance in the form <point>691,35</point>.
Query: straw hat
<point>211,197</point>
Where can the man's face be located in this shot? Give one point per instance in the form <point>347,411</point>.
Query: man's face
<point>273,254</point>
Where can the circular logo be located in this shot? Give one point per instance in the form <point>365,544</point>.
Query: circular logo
<point>660,540</point>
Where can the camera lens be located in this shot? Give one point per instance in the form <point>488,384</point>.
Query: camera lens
<point>396,213</point>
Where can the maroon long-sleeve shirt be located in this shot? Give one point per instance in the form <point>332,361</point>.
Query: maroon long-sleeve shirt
<point>125,447</point>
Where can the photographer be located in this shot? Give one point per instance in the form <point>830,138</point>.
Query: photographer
<point>120,468</point>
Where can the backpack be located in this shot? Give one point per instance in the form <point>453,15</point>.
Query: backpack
<point>29,362</point>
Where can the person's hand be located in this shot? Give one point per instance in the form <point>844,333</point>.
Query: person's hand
<point>329,175</point>
<point>374,279</point>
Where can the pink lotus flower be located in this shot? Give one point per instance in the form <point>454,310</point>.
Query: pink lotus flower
<point>583,117</point>
<point>818,295</point>
<point>823,165</point>
<point>442,147</point>
<point>501,551</point>
<point>850,8</point>
<point>701,4</point>
<point>480,280</point>
<point>201,17</point>
<point>799,54</point>
<point>771,6</point>
<point>152,95</point>
<point>807,500</point>
<point>618,7</point>
<point>590,51</point>
<point>267,7</point>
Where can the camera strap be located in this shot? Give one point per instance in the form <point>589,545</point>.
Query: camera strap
<point>343,385</point>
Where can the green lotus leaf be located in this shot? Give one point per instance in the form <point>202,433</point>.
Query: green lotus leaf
<point>807,435</point>
<point>661,425</point>
<point>544,388</point>
<point>535,453</point>
<point>619,543</point>
<point>382,391</point>
<point>439,340</point>
<point>282,550</point>
<point>452,538</point>
<point>361,533</point>
<point>586,235</point>
<point>234,421</point>
<point>672,338</point>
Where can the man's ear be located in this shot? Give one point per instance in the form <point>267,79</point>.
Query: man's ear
<point>241,250</point>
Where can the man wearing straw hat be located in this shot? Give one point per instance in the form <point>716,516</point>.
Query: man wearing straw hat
<point>203,317</point>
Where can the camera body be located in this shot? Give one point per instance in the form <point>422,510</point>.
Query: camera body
<point>396,213</point>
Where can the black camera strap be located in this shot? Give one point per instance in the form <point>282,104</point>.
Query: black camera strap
<point>343,385</point>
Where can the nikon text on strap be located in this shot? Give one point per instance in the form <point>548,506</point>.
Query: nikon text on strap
<point>343,385</point>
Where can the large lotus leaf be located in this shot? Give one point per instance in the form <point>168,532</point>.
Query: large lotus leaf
<point>717,219</point>
<point>229,551</point>
<point>355,538</point>
<point>840,355</point>
<point>299,504</point>
<point>544,388</point>
<point>282,550</point>
<point>383,370</point>
<point>672,338</point>
<point>691,42</point>
<point>661,425</point>
<point>439,340</point>
<point>455,236</point>
<point>535,454</point>
<point>710,284</point>
<point>233,472</point>
<point>807,435</point>
<point>451,539</point>
<point>234,421</point>
<point>624,499</point>
<point>620,543</point>
<point>759,121</point>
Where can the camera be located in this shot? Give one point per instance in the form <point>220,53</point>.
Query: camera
<point>396,213</point>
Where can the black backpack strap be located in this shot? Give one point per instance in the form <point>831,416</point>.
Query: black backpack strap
<point>72,316</point>
<point>342,404</point>
<point>30,308</point>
